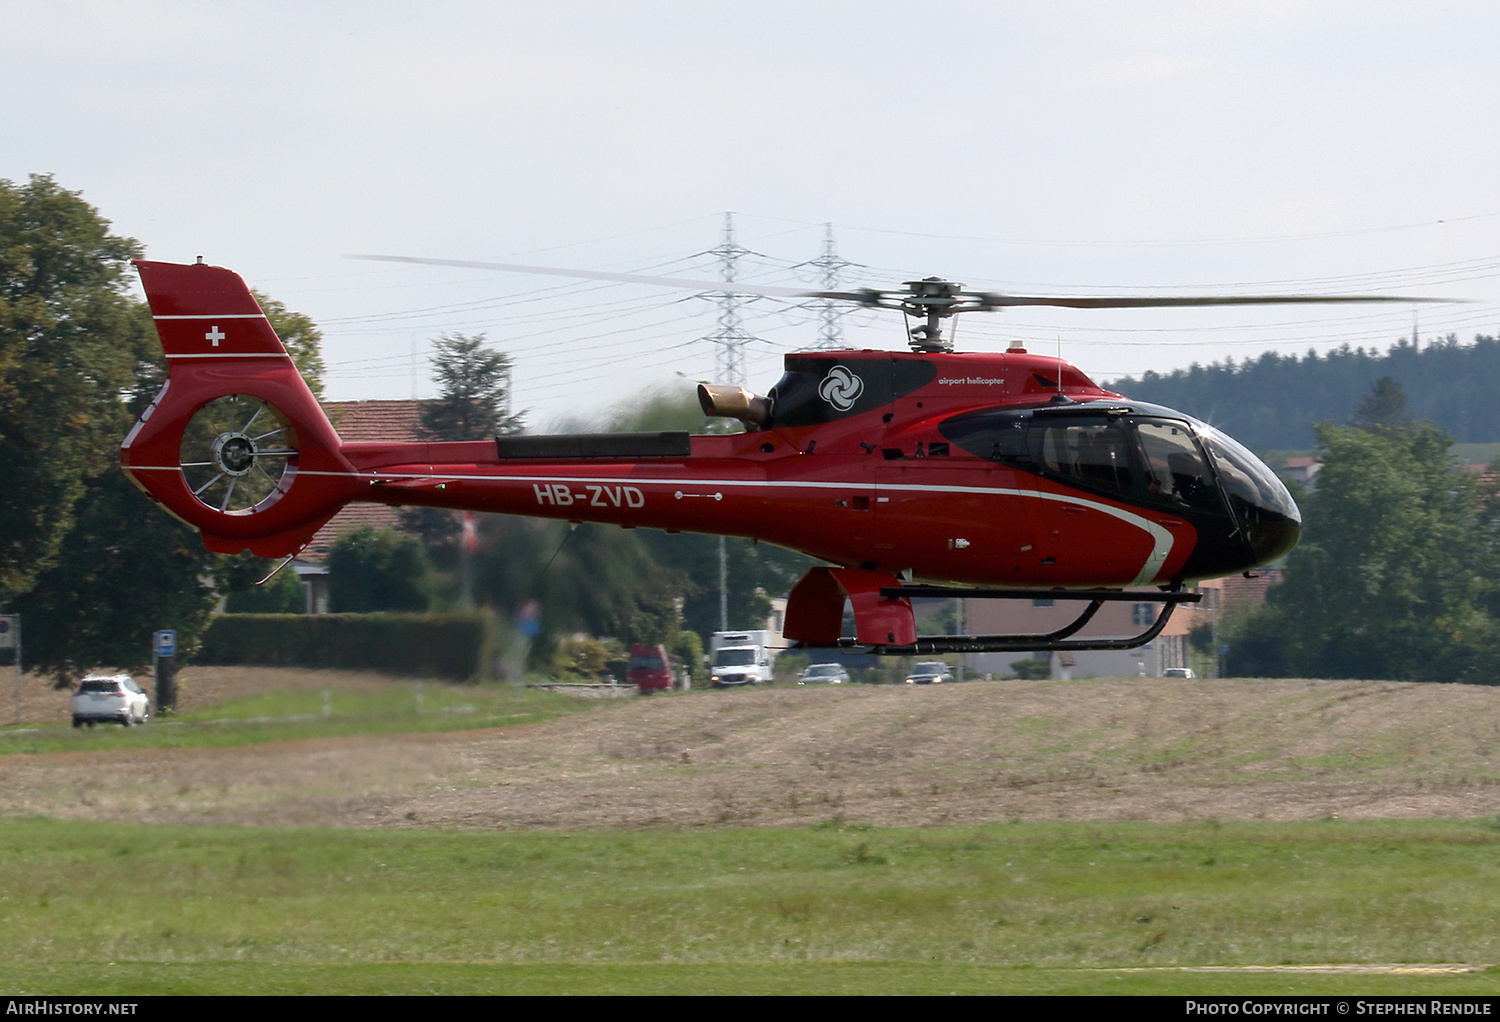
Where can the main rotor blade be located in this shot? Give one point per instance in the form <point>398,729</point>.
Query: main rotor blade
<point>717,286</point>
<point>998,301</point>
<point>897,298</point>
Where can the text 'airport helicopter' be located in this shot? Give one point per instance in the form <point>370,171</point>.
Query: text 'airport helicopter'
<point>912,474</point>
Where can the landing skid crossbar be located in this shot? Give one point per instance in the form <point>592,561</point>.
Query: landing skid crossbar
<point>1054,641</point>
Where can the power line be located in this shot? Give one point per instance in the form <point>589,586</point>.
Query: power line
<point>730,338</point>
<point>831,269</point>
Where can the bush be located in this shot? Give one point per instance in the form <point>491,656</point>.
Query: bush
<point>587,659</point>
<point>281,595</point>
<point>689,651</point>
<point>456,646</point>
<point>1032,670</point>
<point>377,569</point>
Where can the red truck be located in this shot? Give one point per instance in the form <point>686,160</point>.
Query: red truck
<point>649,669</point>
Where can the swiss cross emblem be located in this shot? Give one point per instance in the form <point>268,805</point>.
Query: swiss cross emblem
<point>216,335</point>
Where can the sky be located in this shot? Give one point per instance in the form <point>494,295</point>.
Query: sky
<point>1154,147</point>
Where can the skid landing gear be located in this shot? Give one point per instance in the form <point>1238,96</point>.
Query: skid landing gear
<point>1055,641</point>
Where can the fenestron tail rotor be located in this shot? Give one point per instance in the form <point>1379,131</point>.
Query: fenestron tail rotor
<point>238,454</point>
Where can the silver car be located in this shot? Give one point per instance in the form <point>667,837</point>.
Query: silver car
<point>824,674</point>
<point>113,698</point>
<point>931,672</point>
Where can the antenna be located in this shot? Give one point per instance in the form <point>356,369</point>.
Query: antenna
<point>1060,398</point>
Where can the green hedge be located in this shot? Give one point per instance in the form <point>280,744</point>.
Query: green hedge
<point>427,645</point>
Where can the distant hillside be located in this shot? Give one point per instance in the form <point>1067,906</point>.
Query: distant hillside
<point>1270,403</point>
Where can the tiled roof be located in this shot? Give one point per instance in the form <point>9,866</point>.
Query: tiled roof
<point>1241,590</point>
<point>375,420</point>
<point>353,516</point>
<point>365,421</point>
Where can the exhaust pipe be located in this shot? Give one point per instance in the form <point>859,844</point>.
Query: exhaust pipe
<point>718,401</point>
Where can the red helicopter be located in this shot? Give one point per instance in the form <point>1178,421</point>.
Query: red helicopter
<point>920,473</point>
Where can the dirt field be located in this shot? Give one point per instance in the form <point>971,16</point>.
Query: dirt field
<point>1108,750</point>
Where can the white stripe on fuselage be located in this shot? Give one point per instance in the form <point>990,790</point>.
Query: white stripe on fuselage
<point>1161,538</point>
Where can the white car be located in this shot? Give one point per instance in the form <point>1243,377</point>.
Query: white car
<point>114,698</point>
<point>824,674</point>
<point>1177,672</point>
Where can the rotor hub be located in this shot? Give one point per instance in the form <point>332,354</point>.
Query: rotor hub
<point>933,299</point>
<point>234,453</point>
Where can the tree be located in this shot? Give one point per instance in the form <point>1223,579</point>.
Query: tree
<point>474,384</point>
<point>636,585</point>
<point>281,595</point>
<point>598,579</point>
<point>756,572</point>
<point>71,339</point>
<point>85,559</point>
<point>1384,583</point>
<point>376,569</point>
<point>301,338</point>
<point>124,570</point>
<point>1383,408</point>
<point>1272,402</point>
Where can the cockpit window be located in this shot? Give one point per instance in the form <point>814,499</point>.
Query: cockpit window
<point>1138,458</point>
<point>1250,485</point>
<point>1176,473</point>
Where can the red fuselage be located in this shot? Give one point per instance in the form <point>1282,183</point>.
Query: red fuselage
<point>881,484</point>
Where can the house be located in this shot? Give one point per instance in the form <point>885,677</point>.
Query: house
<point>355,421</point>
<point>1114,620</point>
<point>1303,468</point>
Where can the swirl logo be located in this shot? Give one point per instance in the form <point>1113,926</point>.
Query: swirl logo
<point>841,388</point>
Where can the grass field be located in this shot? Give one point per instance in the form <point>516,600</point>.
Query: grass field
<point>317,835</point>
<point>404,708</point>
<point>110,908</point>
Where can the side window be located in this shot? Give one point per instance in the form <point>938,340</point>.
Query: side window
<point>1093,452</point>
